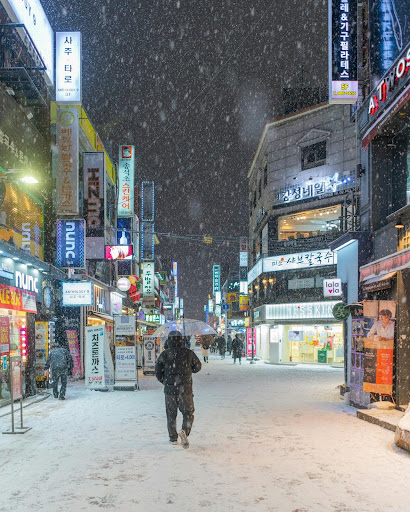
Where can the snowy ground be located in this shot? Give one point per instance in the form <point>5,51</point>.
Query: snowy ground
<point>265,438</point>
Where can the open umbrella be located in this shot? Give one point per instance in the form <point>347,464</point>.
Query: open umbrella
<point>186,326</point>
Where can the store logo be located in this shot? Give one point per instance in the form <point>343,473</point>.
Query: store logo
<point>389,83</point>
<point>26,282</point>
<point>70,241</point>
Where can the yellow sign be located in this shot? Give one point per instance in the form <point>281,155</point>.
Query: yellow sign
<point>207,239</point>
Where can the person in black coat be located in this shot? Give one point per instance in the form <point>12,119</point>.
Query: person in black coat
<point>237,349</point>
<point>229,344</point>
<point>174,369</point>
<point>221,342</point>
<point>61,364</point>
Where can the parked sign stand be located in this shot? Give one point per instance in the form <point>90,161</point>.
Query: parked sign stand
<point>151,351</point>
<point>126,355</point>
<point>16,393</point>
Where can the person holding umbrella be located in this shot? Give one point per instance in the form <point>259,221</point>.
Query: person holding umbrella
<point>174,369</point>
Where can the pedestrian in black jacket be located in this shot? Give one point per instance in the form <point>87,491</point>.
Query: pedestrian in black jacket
<point>237,349</point>
<point>61,364</point>
<point>174,369</point>
<point>229,344</point>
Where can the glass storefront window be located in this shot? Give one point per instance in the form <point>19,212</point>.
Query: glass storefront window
<point>310,223</point>
<point>313,343</point>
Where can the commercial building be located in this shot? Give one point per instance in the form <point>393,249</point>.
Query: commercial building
<point>303,194</point>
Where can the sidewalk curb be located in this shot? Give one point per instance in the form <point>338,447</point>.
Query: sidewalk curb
<point>387,419</point>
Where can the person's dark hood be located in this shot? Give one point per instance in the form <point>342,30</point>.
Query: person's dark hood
<point>175,342</point>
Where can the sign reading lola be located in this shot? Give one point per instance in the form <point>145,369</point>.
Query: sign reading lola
<point>343,82</point>
<point>396,77</point>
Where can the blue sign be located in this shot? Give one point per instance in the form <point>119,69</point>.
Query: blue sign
<point>71,243</point>
<point>124,231</point>
<point>226,306</point>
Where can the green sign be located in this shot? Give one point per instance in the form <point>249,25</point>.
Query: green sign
<point>340,312</point>
<point>322,356</point>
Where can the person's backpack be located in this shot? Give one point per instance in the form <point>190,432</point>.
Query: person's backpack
<point>205,347</point>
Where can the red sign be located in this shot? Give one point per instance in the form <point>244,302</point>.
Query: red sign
<point>17,300</point>
<point>250,336</point>
<point>4,336</point>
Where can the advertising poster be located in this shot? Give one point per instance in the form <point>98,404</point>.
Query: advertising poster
<point>150,346</point>
<point>378,346</point>
<point>73,346</point>
<point>125,363</point>
<point>94,357</point>
<point>126,181</point>
<point>16,377</point>
<point>108,363</point>
<point>250,336</point>
<point>4,336</point>
<point>124,325</point>
<point>41,335</point>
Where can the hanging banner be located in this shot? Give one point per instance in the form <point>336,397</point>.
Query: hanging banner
<point>67,142</point>
<point>68,67</point>
<point>126,181</point>
<point>71,243</point>
<point>125,363</point>
<point>72,338</point>
<point>250,338</point>
<point>108,364</point>
<point>41,336</point>
<point>93,171</point>
<point>343,84</point>
<point>94,357</point>
<point>378,346</point>
<point>17,300</point>
<point>148,287</point>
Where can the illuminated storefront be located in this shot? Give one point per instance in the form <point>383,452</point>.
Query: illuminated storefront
<point>303,332</point>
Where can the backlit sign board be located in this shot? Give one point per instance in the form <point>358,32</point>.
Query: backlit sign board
<point>147,201</point>
<point>296,311</point>
<point>71,243</point>
<point>93,171</point>
<point>67,139</point>
<point>309,259</point>
<point>216,273</point>
<point>118,252</point>
<point>319,186</point>
<point>343,82</point>
<point>147,241</point>
<point>31,14</point>
<point>77,293</point>
<point>68,67</point>
<point>332,287</point>
<point>126,181</point>
<point>148,286</point>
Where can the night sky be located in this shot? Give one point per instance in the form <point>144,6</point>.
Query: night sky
<point>191,84</point>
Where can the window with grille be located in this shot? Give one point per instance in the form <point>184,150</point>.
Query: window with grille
<point>314,155</point>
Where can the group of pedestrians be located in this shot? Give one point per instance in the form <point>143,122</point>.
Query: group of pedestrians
<point>234,347</point>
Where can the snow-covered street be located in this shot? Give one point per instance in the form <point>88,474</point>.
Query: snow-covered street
<point>266,438</point>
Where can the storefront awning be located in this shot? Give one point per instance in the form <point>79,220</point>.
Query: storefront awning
<point>393,263</point>
<point>101,316</point>
<point>380,282</point>
<point>377,279</point>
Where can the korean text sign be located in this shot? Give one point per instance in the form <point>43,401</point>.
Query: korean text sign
<point>94,357</point>
<point>126,181</point>
<point>68,67</point>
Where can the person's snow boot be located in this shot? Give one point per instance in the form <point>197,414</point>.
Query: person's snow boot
<point>184,439</point>
<point>173,442</point>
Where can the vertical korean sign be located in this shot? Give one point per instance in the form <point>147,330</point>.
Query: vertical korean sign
<point>126,181</point>
<point>343,84</point>
<point>94,357</point>
<point>216,274</point>
<point>68,67</point>
<point>250,340</point>
<point>148,288</point>
<point>67,202</point>
<point>73,346</point>
<point>93,171</point>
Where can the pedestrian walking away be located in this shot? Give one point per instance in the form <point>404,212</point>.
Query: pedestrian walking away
<point>229,344</point>
<point>174,369</point>
<point>237,349</point>
<point>61,364</point>
<point>221,343</point>
<point>206,342</point>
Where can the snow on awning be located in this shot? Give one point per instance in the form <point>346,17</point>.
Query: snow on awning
<point>376,279</point>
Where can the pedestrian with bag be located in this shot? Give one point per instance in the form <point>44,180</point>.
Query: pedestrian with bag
<point>206,342</point>
<point>61,364</point>
<point>221,343</point>
<point>174,369</point>
<point>229,344</point>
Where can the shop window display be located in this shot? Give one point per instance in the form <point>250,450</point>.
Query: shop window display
<point>313,343</point>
